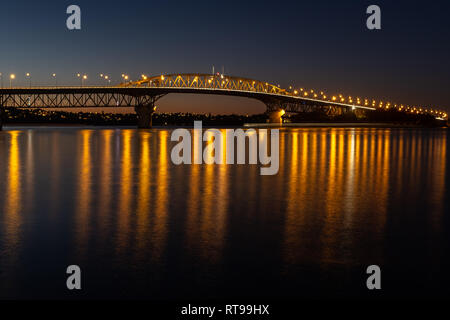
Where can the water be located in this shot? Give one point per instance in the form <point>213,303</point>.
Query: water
<point>112,202</point>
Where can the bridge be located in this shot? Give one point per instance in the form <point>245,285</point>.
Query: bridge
<point>143,94</point>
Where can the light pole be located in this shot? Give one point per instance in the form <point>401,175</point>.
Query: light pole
<point>56,80</point>
<point>11,78</point>
<point>1,79</point>
<point>104,77</point>
<point>125,77</point>
<point>82,79</point>
<point>29,78</point>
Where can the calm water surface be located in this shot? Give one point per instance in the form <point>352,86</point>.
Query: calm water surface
<point>112,202</point>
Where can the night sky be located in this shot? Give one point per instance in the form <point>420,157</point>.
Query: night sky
<point>321,45</point>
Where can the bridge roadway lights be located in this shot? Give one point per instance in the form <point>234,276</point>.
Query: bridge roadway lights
<point>144,116</point>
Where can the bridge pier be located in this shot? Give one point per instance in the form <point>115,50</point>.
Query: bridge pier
<point>276,116</point>
<point>144,115</point>
<point>1,113</point>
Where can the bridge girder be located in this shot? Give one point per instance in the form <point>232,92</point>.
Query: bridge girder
<point>76,100</point>
<point>304,107</point>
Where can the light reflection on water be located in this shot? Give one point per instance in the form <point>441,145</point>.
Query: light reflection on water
<point>112,202</point>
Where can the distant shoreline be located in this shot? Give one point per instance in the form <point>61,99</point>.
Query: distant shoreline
<point>338,125</point>
<point>49,118</point>
<point>246,125</point>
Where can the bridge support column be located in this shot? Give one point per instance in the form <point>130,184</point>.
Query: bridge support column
<point>144,116</point>
<point>1,113</point>
<point>276,116</point>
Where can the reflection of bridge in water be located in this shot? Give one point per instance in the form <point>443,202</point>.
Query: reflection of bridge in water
<point>143,94</point>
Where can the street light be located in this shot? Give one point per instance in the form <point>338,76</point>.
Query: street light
<point>11,78</point>
<point>1,79</point>
<point>104,76</point>
<point>56,80</point>
<point>29,78</point>
<point>83,78</point>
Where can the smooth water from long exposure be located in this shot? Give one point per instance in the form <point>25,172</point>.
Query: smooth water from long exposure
<point>112,202</point>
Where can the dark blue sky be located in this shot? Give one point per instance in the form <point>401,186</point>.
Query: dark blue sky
<point>323,45</point>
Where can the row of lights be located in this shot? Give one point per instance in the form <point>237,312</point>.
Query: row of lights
<point>12,77</point>
<point>82,77</point>
<point>359,102</point>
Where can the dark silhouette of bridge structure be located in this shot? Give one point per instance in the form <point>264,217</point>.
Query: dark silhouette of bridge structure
<point>143,95</point>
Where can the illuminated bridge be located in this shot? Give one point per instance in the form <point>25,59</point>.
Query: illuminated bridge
<point>143,94</point>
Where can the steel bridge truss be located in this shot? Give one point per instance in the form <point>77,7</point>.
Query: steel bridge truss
<point>274,105</point>
<point>208,81</point>
<point>273,96</point>
<point>76,100</point>
<point>99,99</point>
